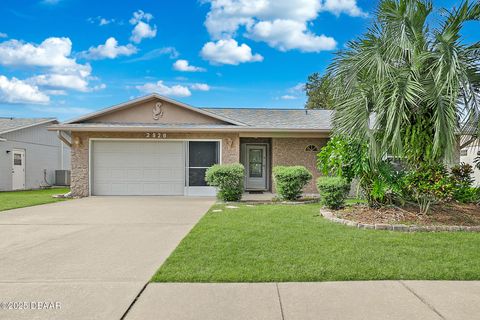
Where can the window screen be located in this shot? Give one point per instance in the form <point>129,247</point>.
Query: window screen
<point>201,156</point>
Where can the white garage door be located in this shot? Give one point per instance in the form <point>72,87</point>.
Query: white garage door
<point>138,168</point>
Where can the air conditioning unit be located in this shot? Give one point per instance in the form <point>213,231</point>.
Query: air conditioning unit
<point>62,177</point>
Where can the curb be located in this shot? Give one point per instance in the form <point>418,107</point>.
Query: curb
<point>396,227</point>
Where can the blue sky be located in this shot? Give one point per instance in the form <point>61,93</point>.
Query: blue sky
<point>63,58</point>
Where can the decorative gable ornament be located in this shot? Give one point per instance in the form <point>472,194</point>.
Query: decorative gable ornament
<point>157,111</point>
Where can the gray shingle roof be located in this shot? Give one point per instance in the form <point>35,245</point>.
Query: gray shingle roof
<point>278,118</point>
<point>12,124</point>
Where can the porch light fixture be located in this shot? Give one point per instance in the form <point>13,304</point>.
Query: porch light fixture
<point>77,141</point>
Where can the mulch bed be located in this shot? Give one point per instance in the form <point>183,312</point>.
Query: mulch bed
<point>440,214</point>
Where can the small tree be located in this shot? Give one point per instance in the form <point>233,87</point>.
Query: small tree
<point>319,92</point>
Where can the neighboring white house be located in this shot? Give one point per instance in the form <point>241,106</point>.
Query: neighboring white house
<point>29,154</point>
<point>468,155</point>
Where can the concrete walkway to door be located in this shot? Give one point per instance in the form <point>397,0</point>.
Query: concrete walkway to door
<point>90,256</point>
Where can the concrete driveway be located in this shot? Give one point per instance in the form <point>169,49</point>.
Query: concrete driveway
<point>87,258</point>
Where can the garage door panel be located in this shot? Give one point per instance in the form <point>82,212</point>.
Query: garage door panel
<point>103,188</point>
<point>133,174</point>
<point>119,189</point>
<point>138,168</point>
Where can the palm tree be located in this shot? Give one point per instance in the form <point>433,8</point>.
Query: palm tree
<point>409,88</point>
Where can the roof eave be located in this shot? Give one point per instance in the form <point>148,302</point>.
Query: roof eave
<point>172,129</point>
<point>29,126</point>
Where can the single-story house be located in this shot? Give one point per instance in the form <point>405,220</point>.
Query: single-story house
<point>30,154</point>
<point>158,146</point>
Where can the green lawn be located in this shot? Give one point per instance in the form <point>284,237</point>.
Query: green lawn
<point>293,243</point>
<point>20,199</point>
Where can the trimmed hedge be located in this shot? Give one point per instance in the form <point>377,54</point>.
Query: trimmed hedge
<point>289,181</point>
<point>229,180</point>
<point>333,191</point>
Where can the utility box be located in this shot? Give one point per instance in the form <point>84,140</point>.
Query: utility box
<point>62,177</point>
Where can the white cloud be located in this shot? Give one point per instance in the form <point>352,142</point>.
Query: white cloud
<point>228,52</point>
<point>183,65</point>
<point>17,91</point>
<point>160,88</point>
<point>55,92</point>
<point>338,7</point>
<point>288,34</point>
<point>104,22</point>
<point>142,29</point>
<point>52,52</point>
<point>200,87</point>
<point>139,16</point>
<point>109,50</point>
<point>3,35</point>
<point>60,70</point>
<point>99,87</point>
<point>293,93</point>
<point>101,21</point>
<point>281,24</point>
<point>288,97</point>
<point>63,81</point>
<point>297,89</point>
<point>155,53</point>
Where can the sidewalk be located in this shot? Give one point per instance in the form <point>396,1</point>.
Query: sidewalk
<point>369,300</point>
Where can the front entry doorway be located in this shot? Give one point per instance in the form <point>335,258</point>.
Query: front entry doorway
<point>256,167</point>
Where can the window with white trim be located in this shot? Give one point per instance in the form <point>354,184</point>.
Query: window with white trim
<point>201,156</point>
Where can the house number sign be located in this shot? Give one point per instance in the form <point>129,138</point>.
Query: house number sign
<point>155,135</point>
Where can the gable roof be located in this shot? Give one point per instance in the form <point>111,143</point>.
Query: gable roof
<point>14,124</point>
<point>279,118</point>
<point>234,120</point>
<point>148,98</point>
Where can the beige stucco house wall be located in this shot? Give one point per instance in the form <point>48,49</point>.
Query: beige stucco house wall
<point>291,152</point>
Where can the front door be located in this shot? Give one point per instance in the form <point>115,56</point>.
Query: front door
<point>18,169</point>
<point>256,167</point>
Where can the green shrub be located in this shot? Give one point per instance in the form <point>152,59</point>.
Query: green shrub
<point>467,195</point>
<point>229,180</point>
<point>427,184</point>
<point>462,180</point>
<point>333,191</point>
<point>289,181</point>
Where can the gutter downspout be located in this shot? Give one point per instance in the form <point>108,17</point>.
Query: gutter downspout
<point>63,139</point>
